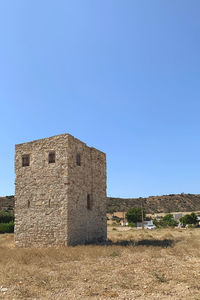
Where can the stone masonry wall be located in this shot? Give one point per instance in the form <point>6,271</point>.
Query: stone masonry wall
<point>51,199</point>
<point>44,223</point>
<point>85,225</point>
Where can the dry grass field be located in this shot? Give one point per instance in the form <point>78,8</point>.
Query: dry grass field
<point>160,264</point>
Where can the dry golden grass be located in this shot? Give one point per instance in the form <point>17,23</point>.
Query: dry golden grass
<point>160,264</point>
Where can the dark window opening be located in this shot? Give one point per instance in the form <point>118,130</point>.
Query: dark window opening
<point>25,160</point>
<point>89,202</point>
<point>78,159</point>
<point>52,157</point>
<point>29,203</point>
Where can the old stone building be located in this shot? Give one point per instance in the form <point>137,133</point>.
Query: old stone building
<point>60,193</point>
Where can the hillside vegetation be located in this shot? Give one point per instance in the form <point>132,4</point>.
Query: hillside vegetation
<point>157,204</point>
<point>154,204</point>
<point>7,203</point>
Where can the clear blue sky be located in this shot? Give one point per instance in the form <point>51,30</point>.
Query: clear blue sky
<point>123,76</point>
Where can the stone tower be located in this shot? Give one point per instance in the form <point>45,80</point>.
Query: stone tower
<point>60,193</point>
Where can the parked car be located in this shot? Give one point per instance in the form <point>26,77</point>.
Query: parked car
<point>150,227</point>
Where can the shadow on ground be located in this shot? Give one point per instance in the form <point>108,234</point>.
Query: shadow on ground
<point>153,242</point>
<point>148,242</point>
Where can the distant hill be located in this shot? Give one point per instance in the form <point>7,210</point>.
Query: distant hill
<point>7,203</point>
<point>157,204</point>
<point>154,204</point>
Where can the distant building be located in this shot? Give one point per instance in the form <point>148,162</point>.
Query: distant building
<point>178,216</point>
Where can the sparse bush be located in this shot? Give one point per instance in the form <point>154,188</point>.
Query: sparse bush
<point>159,277</point>
<point>191,226</point>
<point>114,254</point>
<point>7,227</point>
<point>6,217</point>
<point>111,210</point>
<point>156,223</point>
<point>168,220</point>
<point>132,224</point>
<point>189,219</point>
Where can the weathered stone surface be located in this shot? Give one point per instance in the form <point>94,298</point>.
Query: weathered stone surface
<point>51,198</point>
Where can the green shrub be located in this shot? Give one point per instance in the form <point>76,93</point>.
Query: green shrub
<point>191,226</point>
<point>7,227</point>
<point>189,219</point>
<point>6,217</point>
<point>168,221</point>
<point>134,215</point>
<point>114,254</point>
<point>156,223</point>
<point>132,224</point>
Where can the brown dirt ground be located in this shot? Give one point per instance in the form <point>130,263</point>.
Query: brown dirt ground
<point>159,264</point>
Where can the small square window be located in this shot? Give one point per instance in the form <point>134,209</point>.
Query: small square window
<point>78,159</point>
<point>52,157</point>
<point>25,160</point>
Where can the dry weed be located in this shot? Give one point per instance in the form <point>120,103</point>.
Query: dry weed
<point>160,264</point>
